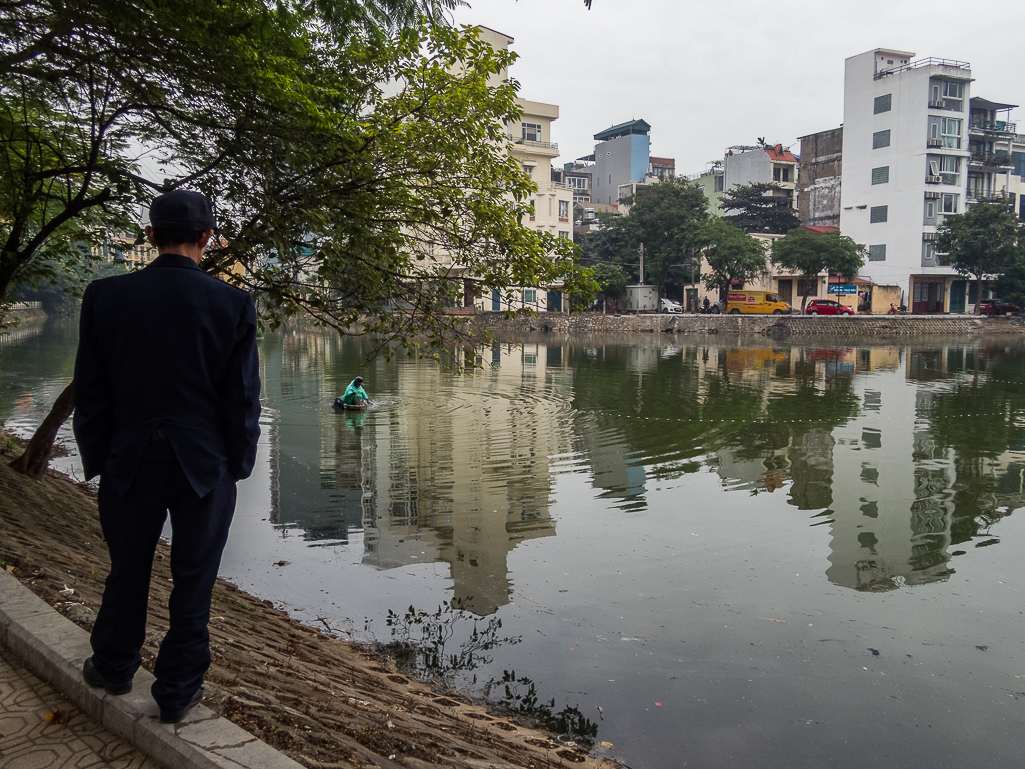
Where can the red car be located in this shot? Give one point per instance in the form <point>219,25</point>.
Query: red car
<point>997,307</point>
<point>827,307</point>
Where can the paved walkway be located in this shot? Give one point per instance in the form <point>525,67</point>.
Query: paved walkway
<point>41,729</point>
<point>41,656</point>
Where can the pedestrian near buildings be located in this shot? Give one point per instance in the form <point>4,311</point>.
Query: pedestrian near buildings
<point>167,414</point>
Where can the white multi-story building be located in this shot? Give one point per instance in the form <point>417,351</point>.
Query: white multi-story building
<point>552,205</point>
<point>906,164</point>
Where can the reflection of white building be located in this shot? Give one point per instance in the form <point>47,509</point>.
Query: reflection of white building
<point>468,479</point>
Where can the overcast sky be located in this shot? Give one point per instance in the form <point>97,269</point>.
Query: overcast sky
<point>707,75</point>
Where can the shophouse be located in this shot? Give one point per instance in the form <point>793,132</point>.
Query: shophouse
<point>906,164</point>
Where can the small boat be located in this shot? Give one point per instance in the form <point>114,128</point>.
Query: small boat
<point>349,406</point>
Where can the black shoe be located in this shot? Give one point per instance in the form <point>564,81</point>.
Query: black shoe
<point>93,678</point>
<point>176,716</point>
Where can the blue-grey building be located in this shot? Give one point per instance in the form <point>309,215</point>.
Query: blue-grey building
<point>621,156</point>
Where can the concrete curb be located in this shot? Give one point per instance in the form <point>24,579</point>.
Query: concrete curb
<point>54,648</point>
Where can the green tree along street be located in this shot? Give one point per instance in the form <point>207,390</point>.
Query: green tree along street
<point>986,240</point>
<point>807,253</point>
<point>611,279</point>
<point>732,255</point>
<point>333,194</point>
<point>760,208</point>
<point>1011,284</point>
<point>668,218</point>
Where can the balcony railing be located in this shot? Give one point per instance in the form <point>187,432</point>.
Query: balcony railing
<point>930,62</point>
<point>552,186</point>
<point>531,143</point>
<point>994,126</point>
<point>991,195</point>
<point>992,159</point>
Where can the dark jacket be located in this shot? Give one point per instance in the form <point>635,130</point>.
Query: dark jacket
<point>169,348</point>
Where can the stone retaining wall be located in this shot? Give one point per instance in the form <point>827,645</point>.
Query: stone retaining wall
<point>767,325</point>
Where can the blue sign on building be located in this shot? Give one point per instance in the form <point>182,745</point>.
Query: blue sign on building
<point>836,288</point>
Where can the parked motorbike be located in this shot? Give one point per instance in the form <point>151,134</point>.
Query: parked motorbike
<point>895,310</point>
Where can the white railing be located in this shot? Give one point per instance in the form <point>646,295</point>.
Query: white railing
<point>552,186</point>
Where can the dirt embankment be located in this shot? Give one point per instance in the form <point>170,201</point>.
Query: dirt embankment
<point>322,701</point>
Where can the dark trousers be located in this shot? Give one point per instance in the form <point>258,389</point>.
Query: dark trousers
<point>131,525</point>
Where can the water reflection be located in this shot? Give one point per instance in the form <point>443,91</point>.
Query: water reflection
<point>901,455</point>
<point>442,469</point>
<point>904,457</point>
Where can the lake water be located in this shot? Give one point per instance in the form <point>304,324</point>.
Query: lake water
<point>722,552</point>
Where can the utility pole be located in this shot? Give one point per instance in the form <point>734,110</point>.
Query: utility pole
<point>640,282</point>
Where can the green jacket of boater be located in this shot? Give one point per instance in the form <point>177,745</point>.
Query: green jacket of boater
<point>354,394</point>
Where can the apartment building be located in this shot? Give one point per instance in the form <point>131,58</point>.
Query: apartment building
<point>622,155</point>
<point>906,164</point>
<point>577,177</point>
<point>530,142</point>
<point>819,170</point>
<point>761,165</point>
<point>711,181</point>
<point>993,171</point>
<point>123,248</point>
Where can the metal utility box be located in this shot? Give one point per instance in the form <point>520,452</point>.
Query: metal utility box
<point>640,299</point>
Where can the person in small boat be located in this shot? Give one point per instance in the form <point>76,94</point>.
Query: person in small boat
<point>355,395</point>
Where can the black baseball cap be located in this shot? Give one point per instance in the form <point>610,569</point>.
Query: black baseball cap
<point>358,379</point>
<point>182,209</point>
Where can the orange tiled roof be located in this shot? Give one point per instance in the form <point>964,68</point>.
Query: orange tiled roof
<point>778,153</point>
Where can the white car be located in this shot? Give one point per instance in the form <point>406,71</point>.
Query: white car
<point>668,305</point>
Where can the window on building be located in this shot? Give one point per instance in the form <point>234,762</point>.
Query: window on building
<point>948,203</point>
<point>577,182</point>
<point>877,253</point>
<point>883,103</point>
<point>564,234</point>
<point>563,209</point>
<point>881,139</point>
<point>531,132</point>
<point>950,169</point>
<point>928,254</point>
<point>718,183</point>
<point>530,205</point>
<point>930,209</point>
<point>877,214</point>
<point>953,95</point>
<point>950,130</point>
<point>811,286</point>
<point>881,175</point>
<point>781,174</point>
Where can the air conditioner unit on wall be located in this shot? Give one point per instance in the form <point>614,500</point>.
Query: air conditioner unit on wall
<point>927,236</point>
<point>936,104</point>
<point>934,143</point>
<point>934,180</point>
<point>930,195</point>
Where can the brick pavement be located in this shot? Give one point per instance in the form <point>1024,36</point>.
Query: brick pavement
<point>71,740</point>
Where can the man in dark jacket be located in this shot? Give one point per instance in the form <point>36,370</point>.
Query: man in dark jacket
<point>167,414</point>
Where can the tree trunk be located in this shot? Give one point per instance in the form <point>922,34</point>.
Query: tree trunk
<point>978,293</point>
<point>36,457</point>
